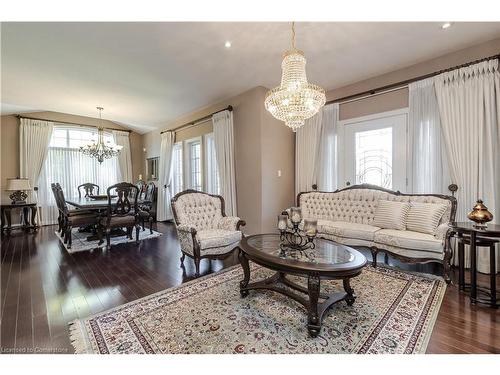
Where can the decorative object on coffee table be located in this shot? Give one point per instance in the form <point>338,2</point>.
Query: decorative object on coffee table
<point>292,238</point>
<point>480,215</point>
<point>328,260</point>
<point>19,186</point>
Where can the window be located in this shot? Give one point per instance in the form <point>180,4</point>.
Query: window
<point>374,157</point>
<point>66,165</point>
<point>177,175</point>
<point>375,152</point>
<point>194,165</point>
<point>212,171</point>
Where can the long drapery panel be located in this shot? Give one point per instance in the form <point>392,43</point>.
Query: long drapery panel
<point>164,207</point>
<point>469,104</point>
<point>122,138</point>
<point>224,152</point>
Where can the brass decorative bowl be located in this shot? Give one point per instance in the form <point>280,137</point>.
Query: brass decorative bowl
<point>480,215</point>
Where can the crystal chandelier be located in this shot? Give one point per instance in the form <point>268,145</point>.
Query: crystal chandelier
<point>98,149</point>
<point>295,100</point>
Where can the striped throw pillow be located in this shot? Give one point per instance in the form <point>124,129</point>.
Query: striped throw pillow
<point>425,217</point>
<point>391,215</point>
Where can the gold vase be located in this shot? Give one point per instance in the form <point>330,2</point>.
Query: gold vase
<point>480,215</point>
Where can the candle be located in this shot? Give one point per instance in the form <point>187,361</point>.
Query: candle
<point>282,222</point>
<point>296,215</point>
<point>310,227</point>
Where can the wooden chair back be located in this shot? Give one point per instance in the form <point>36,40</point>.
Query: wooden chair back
<point>126,201</point>
<point>88,189</point>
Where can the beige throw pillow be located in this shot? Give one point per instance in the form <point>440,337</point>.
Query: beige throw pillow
<point>425,217</point>
<point>391,215</point>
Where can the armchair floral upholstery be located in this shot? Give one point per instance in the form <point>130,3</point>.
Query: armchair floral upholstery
<point>203,229</point>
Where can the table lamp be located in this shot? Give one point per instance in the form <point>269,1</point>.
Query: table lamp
<point>18,186</point>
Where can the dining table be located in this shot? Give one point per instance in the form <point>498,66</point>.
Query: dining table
<point>100,206</point>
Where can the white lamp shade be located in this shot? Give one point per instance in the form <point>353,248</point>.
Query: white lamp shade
<point>14,184</point>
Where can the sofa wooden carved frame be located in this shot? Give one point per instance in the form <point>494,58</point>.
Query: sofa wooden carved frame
<point>196,246</point>
<point>448,253</point>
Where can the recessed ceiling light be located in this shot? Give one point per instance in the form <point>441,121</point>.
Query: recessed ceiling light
<point>227,44</point>
<point>446,25</point>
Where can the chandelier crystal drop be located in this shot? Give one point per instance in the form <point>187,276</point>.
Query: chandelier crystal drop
<point>99,149</point>
<point>295,100</point>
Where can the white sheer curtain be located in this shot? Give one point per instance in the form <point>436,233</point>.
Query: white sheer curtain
<point>164,207</point>
<point>224,152</point>
<point>122,138</point>
<point>316,151</point>
<point>34,140</point>
<point>71,168</point>
<point>307,141</point>
<point>469,103</point>
<point>429,165</point>
<point>327,165</point>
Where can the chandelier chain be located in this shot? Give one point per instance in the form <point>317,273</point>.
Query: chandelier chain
<point>293,36</point>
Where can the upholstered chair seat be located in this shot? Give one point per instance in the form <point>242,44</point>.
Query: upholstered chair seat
<point>203,228</point>
<point>217,241</point>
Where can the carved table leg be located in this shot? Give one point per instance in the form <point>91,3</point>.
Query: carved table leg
<point>26,219</point>
<point>246,272</point>
<point>34,224</point>
<point>350,298</point>
<point>473,269</point>
<point>461,263</point>
<point>313,319</point>
<point>8,217</point>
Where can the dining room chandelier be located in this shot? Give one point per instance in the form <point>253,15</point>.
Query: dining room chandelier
<point>98,148</point>
<point>295,100</point>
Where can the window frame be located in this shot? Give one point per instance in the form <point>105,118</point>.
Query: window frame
<point>187,167</point>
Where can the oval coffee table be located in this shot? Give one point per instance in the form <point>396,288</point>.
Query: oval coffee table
<point>328,260</point>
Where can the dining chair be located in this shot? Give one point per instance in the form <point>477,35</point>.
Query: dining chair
<point>89,189</point>
<point>72,218</point>
<point>122,213</point>
<point>141,185</point>
<point>146,204</point>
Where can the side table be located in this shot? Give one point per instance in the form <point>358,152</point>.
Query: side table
<point>468,234</point>
<point>28,221</point>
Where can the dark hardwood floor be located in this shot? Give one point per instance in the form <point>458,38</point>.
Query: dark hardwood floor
<point>43,288</point>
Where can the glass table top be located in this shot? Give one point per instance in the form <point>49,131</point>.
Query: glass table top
<point>325,252</point>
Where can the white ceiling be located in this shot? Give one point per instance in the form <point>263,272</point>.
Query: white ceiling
<point>147,74</point>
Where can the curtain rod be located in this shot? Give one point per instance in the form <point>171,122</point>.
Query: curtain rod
<point>72,123</point>
<point>391,86</point>
<point>191,123</point>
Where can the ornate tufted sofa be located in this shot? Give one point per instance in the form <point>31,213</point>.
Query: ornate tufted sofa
<point>346,216</point>
<point>203,228</point>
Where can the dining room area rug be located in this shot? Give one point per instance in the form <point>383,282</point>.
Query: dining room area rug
<point>394,312</point>
<point>81,243</point>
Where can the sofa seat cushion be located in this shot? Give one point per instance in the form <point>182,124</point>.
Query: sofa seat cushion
<point>214,238</point>
<point>346,229</point>
<point>409,240</point>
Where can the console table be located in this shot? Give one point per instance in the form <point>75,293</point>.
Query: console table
<point>28,216</point>
<point>468,234</point>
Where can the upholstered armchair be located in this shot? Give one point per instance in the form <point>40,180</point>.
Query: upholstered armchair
<point>203,228</point>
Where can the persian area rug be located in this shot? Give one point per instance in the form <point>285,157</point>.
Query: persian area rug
<point>80,242</point>
<point>394,312</point>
